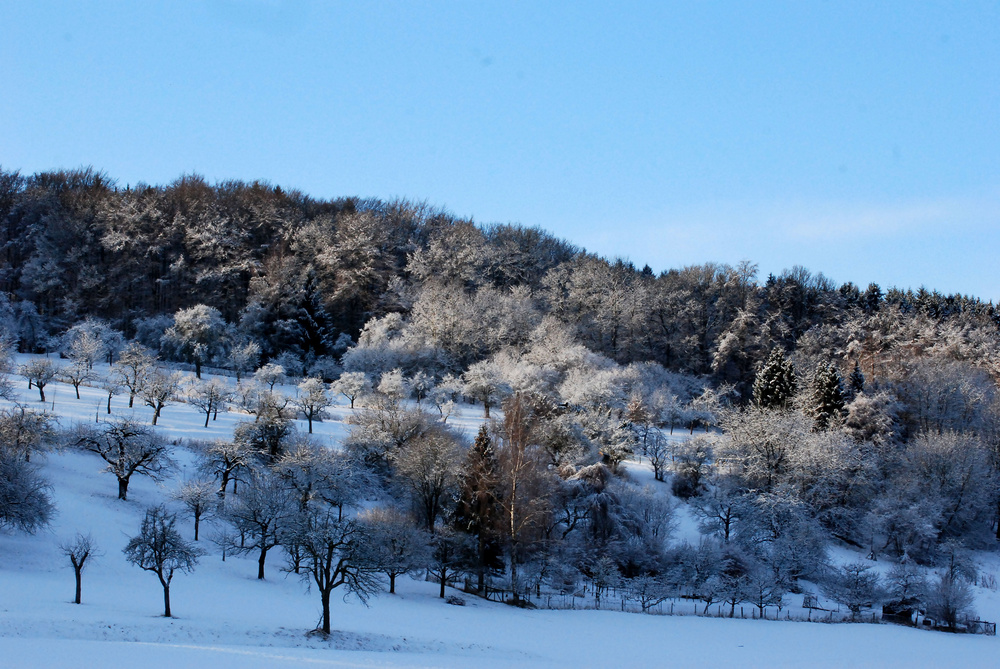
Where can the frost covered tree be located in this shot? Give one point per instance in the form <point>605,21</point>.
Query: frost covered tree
<point>159,548</point>
<point>421,384</point>
<point>227,461</point>
<point>758,444</point>
<point>25,503</point>
<point>775,384</point>
<point>86,349</point>
<point>485,382</point>
<point>691,465</point>
<point>313,472</point>
<point>855,585</point>
<point>395,544</point>
<point>24,431</point>
<point>134,366</point>
<point>763,588</point>
<point>196,335</point>
<point>128,448</point>
<point>658,452</point>
<point>352,385</point>
<point>200,499</point>
<point>719,508</point>
<point>259,514</point>
<point>266,434</point>
<point>428,468</point>
<point>525,488</point>
<point>906,585</point>
<point>451,555</point>
<point>394,385</point>
<point>76,374</point>
<point>243,358</point>
<point>270,375</point>
<point>158,389</point>
<point>208,396</point>
<point>337,552</point>
<point>950,600</point>
<point>79,551</point>
<point>39,372</point>
<point>312,400</point>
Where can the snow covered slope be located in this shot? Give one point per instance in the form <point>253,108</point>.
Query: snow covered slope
<point>225,617</point>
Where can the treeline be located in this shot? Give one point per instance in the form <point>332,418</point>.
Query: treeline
<point>304,276</point>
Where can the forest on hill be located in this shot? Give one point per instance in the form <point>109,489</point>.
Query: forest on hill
<point>826,413</point>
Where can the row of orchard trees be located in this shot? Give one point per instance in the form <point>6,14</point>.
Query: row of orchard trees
<point>903,467</point>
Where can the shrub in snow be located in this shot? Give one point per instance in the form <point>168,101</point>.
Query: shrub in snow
<point>950,601</point>
<point>24,495</point>
<point>856,585</point>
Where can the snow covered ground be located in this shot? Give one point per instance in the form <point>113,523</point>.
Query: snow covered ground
<point>226,618</point>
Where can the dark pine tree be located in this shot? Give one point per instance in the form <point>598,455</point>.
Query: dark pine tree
<point>827,400</point>
<point>856,382</point>
<point>478,512</point>
<point>775,384</point>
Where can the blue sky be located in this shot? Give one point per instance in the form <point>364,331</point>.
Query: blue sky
<point>860,141</point>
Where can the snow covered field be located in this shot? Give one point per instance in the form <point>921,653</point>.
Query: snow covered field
<point>225,617</point>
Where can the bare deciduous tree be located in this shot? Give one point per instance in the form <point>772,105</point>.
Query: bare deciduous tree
<point>200,498</point>
<point>79,551</point>
<point>129,448</point>
<point>159,548</point>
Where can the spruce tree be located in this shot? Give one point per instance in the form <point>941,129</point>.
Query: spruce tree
<point>477,512</point>
<point>856,383</point>
<point>827,400</point>
<point>775,384</point>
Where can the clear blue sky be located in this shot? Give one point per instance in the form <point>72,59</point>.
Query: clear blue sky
<point>860,141</point>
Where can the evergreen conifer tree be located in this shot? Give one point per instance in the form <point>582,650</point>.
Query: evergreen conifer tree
<point>775,384</point>
<point>827,401</point>
<point>856,383</point>
<point>477,511</point>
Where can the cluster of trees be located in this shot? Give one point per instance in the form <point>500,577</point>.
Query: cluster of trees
<point>289,274</point>
<point>864,416</point>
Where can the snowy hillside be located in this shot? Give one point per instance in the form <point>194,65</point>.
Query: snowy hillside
<point>225,617</point>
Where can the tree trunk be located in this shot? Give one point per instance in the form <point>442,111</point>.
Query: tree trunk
<point>156,414</point>
<point>77,388</point>
<point>41,392</point>
<point>392,584</point>
<point>325,597</point>
<point>197,520</point>
<point>79,579</point>
<point>131,400</point>
<point>310,419</point>
<point>197,368</point>
<point>481,577</point>
<point>166,600</point>
<point>444,579</point>
<point>109,403</point>
<point>260,563</point>
<point>123,489</point>
<point>208,414</point>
